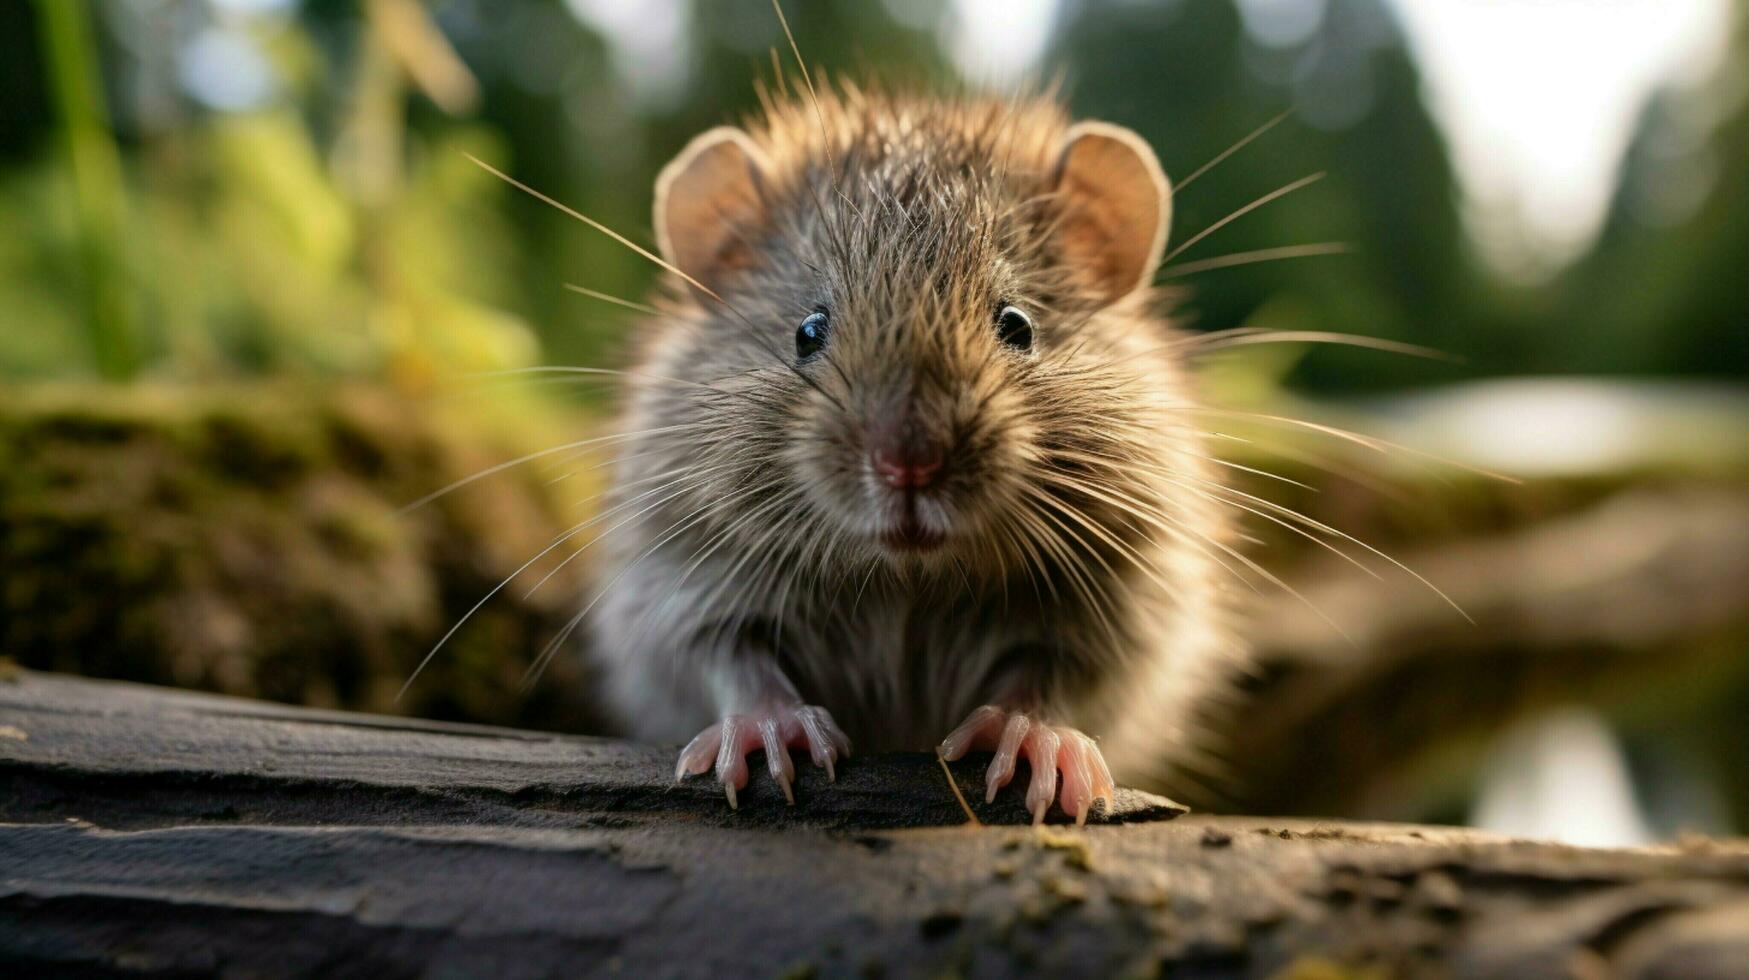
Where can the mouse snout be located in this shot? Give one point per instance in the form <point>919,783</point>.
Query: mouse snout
<point>905,458</point>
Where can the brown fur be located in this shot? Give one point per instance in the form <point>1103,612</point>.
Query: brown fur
<point>1080,571</point>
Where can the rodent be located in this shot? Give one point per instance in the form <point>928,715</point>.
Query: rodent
<point>907,460</point>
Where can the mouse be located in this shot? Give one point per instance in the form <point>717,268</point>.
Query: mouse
<point>907,458</point>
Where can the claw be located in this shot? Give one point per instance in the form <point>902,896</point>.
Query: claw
<point>960,740</point>
<point>1077,791</point>
<point>1007,751</point>
<point>698,754</point>
<point>1104,786</point>
<point>824,741</point>
<point>777,760</point>
<point>775,730</point>
<point>1085,781</point>
<point>1041,751</point>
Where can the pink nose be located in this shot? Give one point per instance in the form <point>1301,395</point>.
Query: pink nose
<point>911,467</point>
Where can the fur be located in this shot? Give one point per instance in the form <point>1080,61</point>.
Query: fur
<point>1082,566</point>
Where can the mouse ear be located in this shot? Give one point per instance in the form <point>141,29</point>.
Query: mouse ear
<point>1116,206</point>
<point>707,199</point>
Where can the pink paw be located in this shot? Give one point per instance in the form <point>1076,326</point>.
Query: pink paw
<point>1046,748</point>
<point>774,729</point>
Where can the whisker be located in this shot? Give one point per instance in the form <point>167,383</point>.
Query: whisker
<point>658,260</point>
<point>1135,557</point>
<point>532,675</point>
<point>530,457</point>
<point>1255,256</point>
<point>423,663</point>
<point>1255,471</point>
<point>1302,532</point>
<point>1279,192</point>
<point>1079,576</point>
<point>711,545</point>
<point>1322,464</point>
<point>615,300</point>
<point>1294,515</point>
<point>1229,151</point>
<point>598,226</point>
<point>1156,517</point>
<point>1174,528</point>
<point>566,369</point>
<point>1235,338</point>
<point>692,481</point>
<point>1370,442</point>
<point>491,470</point>
<point>572,532</point>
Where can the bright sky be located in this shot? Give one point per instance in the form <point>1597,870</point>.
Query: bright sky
<point>1538,98</point>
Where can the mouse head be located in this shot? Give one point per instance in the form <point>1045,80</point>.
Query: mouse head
<point>932,314</point>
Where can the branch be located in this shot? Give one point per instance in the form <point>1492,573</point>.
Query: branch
<point>151,830</point>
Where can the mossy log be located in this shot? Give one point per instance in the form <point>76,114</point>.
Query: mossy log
<point>146,831</point>
<point>251,540</point>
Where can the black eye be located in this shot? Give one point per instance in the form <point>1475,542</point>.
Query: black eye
<point>811,335</point>
<point>1014,328</point>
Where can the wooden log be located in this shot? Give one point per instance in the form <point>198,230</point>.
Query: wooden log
<point>152,831</point>
<point>1614,605</point>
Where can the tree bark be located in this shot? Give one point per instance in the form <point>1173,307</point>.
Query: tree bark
<point>153,831</point>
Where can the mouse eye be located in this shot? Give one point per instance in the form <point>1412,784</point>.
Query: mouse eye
<point>811,335</point>
<point>1014,328</point>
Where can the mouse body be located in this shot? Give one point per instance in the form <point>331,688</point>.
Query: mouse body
<point>909,458</point>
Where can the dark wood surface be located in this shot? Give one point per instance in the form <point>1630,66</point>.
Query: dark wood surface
<point>147,831</point>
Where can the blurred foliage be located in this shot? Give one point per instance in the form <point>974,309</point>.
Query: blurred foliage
<point>97,191</point>
<point>251,247</point>
<point>312,209</point>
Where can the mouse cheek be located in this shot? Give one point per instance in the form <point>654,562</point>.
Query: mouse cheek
<point>997,456</point>
<point>821,457</point>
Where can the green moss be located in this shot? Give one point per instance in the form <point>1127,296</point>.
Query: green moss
<point>250,541</point>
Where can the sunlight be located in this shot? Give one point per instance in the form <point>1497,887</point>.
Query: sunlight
<point>1539,99</point>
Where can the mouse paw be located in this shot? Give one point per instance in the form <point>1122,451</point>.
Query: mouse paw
<point>1047,748</point>
<point>775,729</point>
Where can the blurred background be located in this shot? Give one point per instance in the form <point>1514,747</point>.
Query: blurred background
<point>254,299</point>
